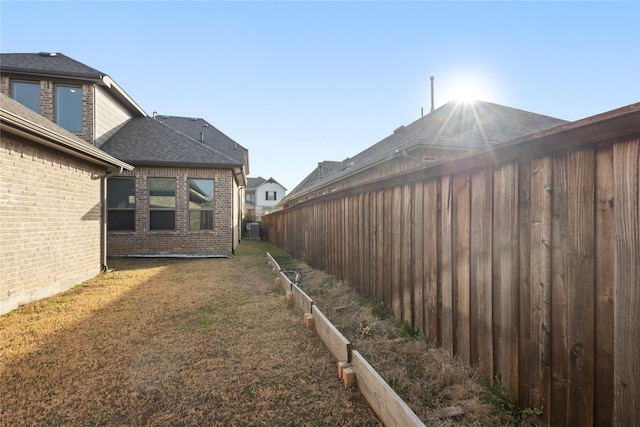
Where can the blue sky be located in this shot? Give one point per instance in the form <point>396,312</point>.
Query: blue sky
<point>301,82</point>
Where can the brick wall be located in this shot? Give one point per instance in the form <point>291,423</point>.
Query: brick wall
<point>49,222</point>
<point>180,241</point>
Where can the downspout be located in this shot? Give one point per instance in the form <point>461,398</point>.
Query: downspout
<point>103,224</point>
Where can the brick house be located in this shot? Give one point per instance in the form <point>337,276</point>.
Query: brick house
<point>52,184</point>
<point>184,196</point>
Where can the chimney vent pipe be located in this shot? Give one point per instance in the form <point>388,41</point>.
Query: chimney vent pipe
<point>432,103</point>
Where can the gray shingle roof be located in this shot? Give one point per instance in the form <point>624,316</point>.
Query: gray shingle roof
<point>146,141</point>
<point>455,125</point>
<point>253,183</point>
<point>47,63</point>
<point>205,132</point>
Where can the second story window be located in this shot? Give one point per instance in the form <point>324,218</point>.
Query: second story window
<point>270,195</point>
<point>27,94</point>
<point>69,107</point>
<point>162,203</point>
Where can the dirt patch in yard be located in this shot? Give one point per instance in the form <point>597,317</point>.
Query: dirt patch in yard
<point>203,342</point>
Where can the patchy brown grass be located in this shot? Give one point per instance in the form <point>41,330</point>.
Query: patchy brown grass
<point>213,342</point>
<point>172,342</point>
<point>439,388</point>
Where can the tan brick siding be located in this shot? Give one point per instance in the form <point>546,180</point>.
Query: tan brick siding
<point>182,241</point>
<point>50,215</point>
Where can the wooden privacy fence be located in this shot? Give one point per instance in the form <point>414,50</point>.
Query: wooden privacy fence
<point>523,260</point>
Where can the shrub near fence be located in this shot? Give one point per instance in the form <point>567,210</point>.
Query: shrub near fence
<point>523,260</point>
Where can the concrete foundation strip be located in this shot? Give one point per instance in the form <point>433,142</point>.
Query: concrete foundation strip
<point>352,366</point>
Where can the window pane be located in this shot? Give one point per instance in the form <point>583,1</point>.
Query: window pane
<point>27,94</point>
<point>121,220</point>
<point>201,220</point>
<point>121,193</point>
<point>200,193</point>
<point>69,107</point>
<point>162,193</point>
<point>162,220</point>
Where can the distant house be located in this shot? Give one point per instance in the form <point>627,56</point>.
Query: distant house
<point>450,130</point>
<point>262,197</point>
<point>67,196</point>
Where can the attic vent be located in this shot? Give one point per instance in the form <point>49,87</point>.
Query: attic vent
<point>398,129</point>
<point>205,125</point>
<point>48,54</point>
<point>429,158</point>
<point>194,119</point>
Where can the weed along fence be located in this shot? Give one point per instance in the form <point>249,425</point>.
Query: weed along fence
<point>523,260</point>
<point>352,366</point>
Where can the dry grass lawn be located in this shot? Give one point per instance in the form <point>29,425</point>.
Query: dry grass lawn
<point>213,342</point>
<point>206,342</point>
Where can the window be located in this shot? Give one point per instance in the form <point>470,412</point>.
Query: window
<point>162,203</point>
<point>121,204</point>
<point>270,195</point>
<point>201,204</point>
<point>69,107</point>
<point>27,94</point>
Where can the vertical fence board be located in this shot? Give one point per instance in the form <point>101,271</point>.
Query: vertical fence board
<point>387,285</point>
<point>505,274</point>
<point>524,284</point>
<point>480,264</point>
<point>417,252</point>
<point>579,276</point>
<point>446,272</point>
<point>406,249</point>
<point>380,247</point>
<point>540,271</point>
<point>396,253</point>
<point>559,348</point>
<point>430,260</point>
<point>603,386</point>
<point>462,215</point>
<point>626,409</point>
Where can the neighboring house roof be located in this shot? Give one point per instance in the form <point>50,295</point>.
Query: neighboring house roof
<point>53,64</point>
<point>206,133</point>
<point>149,142</point>
<point>254,183</point>
<point>454,126</point>
<point>17,119</point>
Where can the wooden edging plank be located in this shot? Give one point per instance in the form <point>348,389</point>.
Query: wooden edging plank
<point>273,262</point>
<point>301,299</point>
<point>386,403</point>
<point>337,344</point>
<point>286,283</point>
